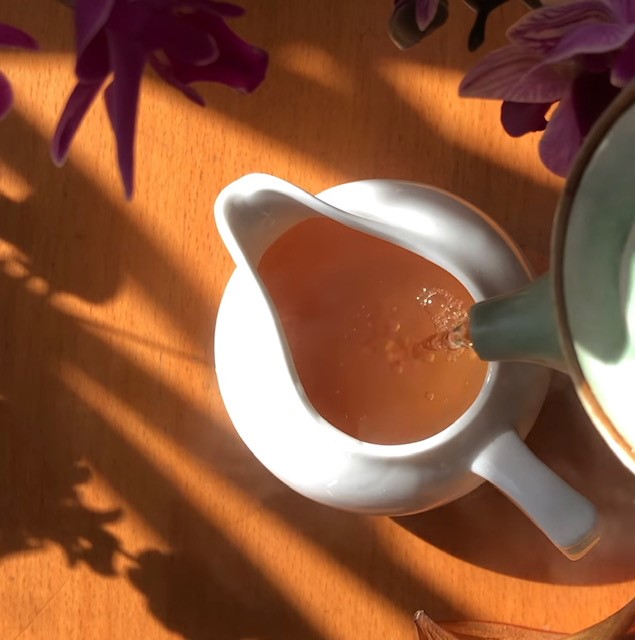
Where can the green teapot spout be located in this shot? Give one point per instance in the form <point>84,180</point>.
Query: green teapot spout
<point>520,326</point>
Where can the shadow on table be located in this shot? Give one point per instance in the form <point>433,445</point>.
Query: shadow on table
<point>39,500</point>
<point>486,529</point>
<point>195,603</point>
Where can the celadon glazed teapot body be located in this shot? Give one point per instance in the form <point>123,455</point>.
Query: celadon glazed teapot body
<point>580,318</point>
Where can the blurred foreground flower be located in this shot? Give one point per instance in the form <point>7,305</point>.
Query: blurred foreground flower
<point>184,41</point>
<point>15,38</point>
<point>619,626</point>
<point>413,20</point>
<point>578,53</point>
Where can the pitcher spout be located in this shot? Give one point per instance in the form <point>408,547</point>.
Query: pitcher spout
<point>255,210</point>
<point>520,326</point>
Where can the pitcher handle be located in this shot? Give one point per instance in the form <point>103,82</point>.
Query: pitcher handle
<point>567,518</point>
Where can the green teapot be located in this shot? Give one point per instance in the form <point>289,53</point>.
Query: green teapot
<point>580,317</point>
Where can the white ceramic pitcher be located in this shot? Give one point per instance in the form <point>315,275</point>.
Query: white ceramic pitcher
<point>272,414</point>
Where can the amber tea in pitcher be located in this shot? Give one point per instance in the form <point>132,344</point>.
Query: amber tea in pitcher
<point>357,313</point>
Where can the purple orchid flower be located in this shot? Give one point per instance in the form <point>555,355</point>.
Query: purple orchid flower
<point>579,54</point>
<point>15,38</point>
<point>184,41</point>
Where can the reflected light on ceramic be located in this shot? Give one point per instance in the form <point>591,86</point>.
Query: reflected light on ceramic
<point>165,454</point>
<point>315,65</point>
<point>405,216</point>
<point>429,91</point>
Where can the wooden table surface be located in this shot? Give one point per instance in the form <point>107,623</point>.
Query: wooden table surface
<point>129,508</point>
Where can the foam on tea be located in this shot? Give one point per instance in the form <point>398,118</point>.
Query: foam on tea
<point>357,313</point>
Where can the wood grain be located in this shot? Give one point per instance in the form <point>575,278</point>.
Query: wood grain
<point>129,508</point>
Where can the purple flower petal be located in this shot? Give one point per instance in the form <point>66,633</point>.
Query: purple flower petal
<point>519,118</point>
<point>625,10</point>
<point>591,94</point>
<point>6,96</point>
<point>129,18</point>
<point>94,62</point>
<point>198,51</point>
<point>167,74</point>
<point>13,37</point>
<point>122,98</point>
<point>90,18</point>
<point>239,65</point>
<point>591,38</point>
<point>425,12</point>
<point>544,83</point>
<point>179,39</point>
<point>562,139</point>
<point>225,9</point>
<point>498,72</point>
<point>515,75</point>
<point>624,65</point>
<point>76,107</point>
<point>541,30</point>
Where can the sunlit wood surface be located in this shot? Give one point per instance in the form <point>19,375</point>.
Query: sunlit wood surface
<point>129,508</point>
